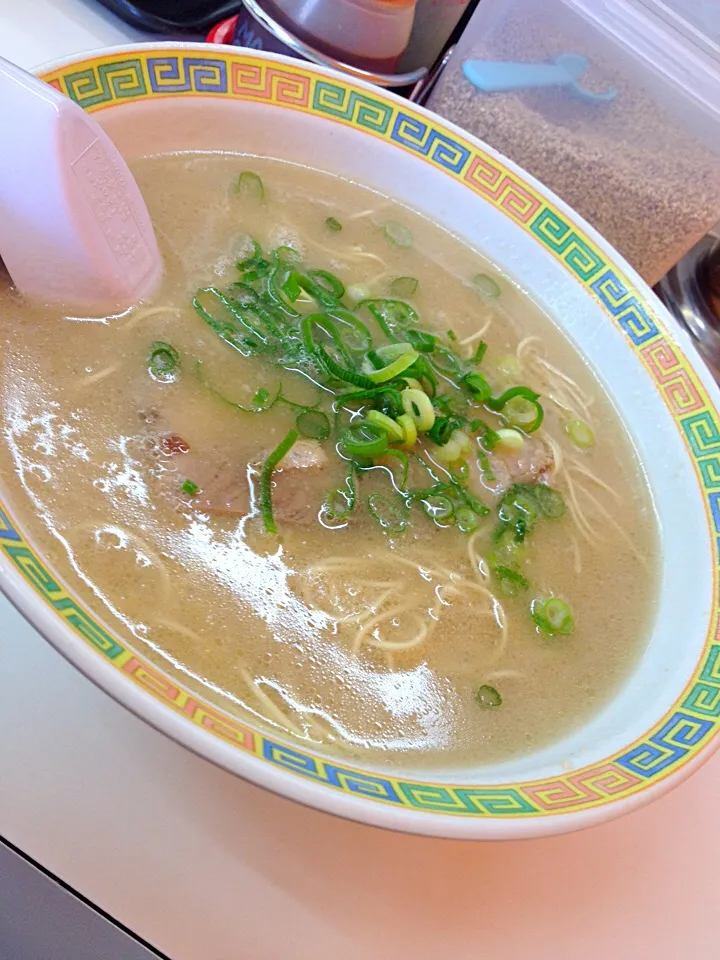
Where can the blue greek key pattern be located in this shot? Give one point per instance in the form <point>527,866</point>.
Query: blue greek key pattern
<point>349,781</point>
<point>714,501</point>
<point>625,307</point>
<point>177,75</point>
<point>7,530</point>
<point>425,139</point>
<point>670,744</point>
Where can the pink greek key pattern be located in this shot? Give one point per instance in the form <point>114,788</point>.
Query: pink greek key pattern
<point>583,787</point>
<point>261,82</point>
<point>661,359</point>
<point>164,689</point>
<point>672,377</point>
<point>495,183</point>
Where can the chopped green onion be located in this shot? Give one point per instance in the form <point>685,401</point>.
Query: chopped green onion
<point>374,394</point>
<point>391,516</point>
<point>394,359</point>
<point>509,440</point>
<point>520,412</point>
<point>442,429</point>
<point>580,434</point>
<point>422,342</point>
<point>235,329</point>
<point>522,498</point>
<point>266,506</point>
<point>486,469</point>
<point>488,437</point>
<point>550,501</point>
<point>461,471</point>
<point>163,362</point>
<point>398,234</point>
<point>518,511</point>
<point>346,374</point>
<point>454,449</point>
<point>403,287</point>
<point>553,616</point>
<point>478,387</point>
<point>512,576</point>
<point>409,430</point>
<point>313,424</point>
<point>446,361</point>
<point>509,368</point>
<point>417,404</point>
<point>394,431</point>
<point>359,337</point>
<point>421,371</point>
<point>480,352</point>
<point>486,287</point>
<point>288,254</point>
<point>451,335</point>
<point>463,441</point>
<point>247,243</point>
<point>449,452</point>
<point>466,519</point>
<point>477,505</point>
<point>364,440</point>
<point>332,224</point>
<point>358,292</point>
<point>340,503</point>
<point>263,399</point>
<point>250,185</point>
<point>321,285</point>
<point>189,488</point>
<point>488,696</point>
<point>498,403</point>
<point>435,489</point>
<point>439,508</point>
<point>331,284</point>
<point>329,327</point>
<point>392,316</point>
<point>515,552</point>
<point>282,288</point>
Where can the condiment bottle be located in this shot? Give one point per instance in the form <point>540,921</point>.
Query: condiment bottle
<point>369,34</point>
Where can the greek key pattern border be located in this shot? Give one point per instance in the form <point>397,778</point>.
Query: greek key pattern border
<point>695,718</point>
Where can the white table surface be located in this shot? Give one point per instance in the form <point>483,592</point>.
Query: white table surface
<point>206,867</point>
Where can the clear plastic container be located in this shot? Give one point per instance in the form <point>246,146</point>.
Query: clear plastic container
<point>371,34</point>
<point>633,145</point>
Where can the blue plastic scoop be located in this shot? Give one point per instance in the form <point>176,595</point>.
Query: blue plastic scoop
<point>565,71</point>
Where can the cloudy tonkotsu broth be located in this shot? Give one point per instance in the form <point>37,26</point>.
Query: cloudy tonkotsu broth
<point>457,598</point>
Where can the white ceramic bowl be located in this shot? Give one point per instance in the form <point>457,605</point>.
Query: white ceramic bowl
<point>664,721</point>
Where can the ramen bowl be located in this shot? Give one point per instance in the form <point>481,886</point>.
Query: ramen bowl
<point>663,722</point>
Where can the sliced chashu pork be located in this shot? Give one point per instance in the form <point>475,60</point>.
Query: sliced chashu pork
<point>299,484</point>
<point>533,463</point>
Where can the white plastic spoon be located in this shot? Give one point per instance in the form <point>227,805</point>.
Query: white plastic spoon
<point>74,227</point>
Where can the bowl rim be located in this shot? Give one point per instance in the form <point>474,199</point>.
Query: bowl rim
<point>441,809</point>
